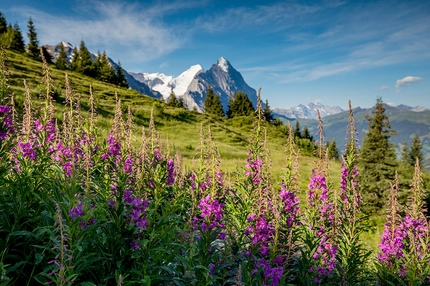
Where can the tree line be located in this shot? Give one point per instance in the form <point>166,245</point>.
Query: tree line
<point>98,67</point>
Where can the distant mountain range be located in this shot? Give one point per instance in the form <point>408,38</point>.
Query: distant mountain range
<point>406,120</point>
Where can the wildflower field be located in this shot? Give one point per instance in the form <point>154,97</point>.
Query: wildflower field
<point>74,211</point>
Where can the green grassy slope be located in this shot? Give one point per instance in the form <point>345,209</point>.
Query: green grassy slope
<point>178,127</point>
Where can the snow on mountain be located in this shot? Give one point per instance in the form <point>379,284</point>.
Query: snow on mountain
<point>164,84</point>
<point>409,108</point>
<point>192,84</point>
<point>308,111</point>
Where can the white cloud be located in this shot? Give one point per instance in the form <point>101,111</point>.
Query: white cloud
<point>384,87</point>
<point>131,33</point>
<point>407,80</point>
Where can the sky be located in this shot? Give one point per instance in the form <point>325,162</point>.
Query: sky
<point>295,51</point>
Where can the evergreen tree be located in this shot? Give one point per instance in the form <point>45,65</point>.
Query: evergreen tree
<point>217,108</point>
<point>3,24</point>
<point>85,61</point>
<point>62,63</point>
<point>12,39</point>
<point>240,105</point>
<point>104,71</point>
<point>120,76</point>
<point>33,45</point>
<point>76,62</point>
<point>46,54</point>
<point>207,105</point>
<point>268,114</point>
<point>333,152</point>
<point>404,155</point>
<point>182,103</point>
<point>173,100</point>
<point>416,151</point>
<point>297,133</point>
<point>378,159</point>
<point>305,134</point>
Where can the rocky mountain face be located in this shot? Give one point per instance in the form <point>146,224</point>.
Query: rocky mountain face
<point>133,83</point>
<point>193,84</point>
<point>307,111</point>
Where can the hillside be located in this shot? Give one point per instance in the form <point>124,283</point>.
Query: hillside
<point>179,127</point>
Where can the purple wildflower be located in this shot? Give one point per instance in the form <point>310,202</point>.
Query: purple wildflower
<point>261,233</point>
<point>77,211</point>
<point>211,214</point>
<point>27,150</point>
<point>170,172</point>
<point>128,165</point>
<point>291,205</point>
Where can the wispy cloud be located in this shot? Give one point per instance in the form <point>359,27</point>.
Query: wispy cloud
<point>356,38</point>
<point>134,32</point>
<point>407,80</point>
<point>384,87</point>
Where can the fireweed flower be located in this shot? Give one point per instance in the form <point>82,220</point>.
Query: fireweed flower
<point>318,199</point>
<point>77,211</point>
<point>254,169</point>
<point>261,233</point>
<point>128,165</point>
<point>135,210</point>
<point>210,216</point>
<point>27,150</point>
<point>290,205</point>
<point>170,172</point>
<point>271,274</point>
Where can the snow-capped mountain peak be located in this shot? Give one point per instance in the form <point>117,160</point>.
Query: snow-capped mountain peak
<point>309,111</point>
<point>223,64</point>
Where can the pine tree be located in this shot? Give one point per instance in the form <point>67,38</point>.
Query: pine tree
<point>297,133</point>
<point>62,63</point>
<point>120,76</point>
<point>416,151</point>
<point>333,151</point>
<point>3,24</point>
<point>207,105</point>
<point>13,39</point>
<point>173,101</point>
<point>76,62</point>
<point>240,105</point>
<point>104,71</point>
<point>33,45</point>
<point>404,155</point>
<point>85,60</point>
<point>305,134</point>
<point>378,159</point>
<point>217,108</point>
<point>268,114</point>
<point>46,54</point>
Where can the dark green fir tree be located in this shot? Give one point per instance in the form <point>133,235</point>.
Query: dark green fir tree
<point>416,151</point>
<point>120,76</point>
<point>240,105</point>
<point>217,108</point>
<point>46,54</point>
<point>76,62</point>
<point>3,24</point>
<point>62,63</point>
<point>268,114</point>
<point>377,163</point>
<point>207,105</point>
<point>14,39</point>
<point>333,151</point>
<point>85,61</point>
<point>33,44</point>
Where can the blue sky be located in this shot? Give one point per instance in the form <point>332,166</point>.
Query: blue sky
<point>296,51</point>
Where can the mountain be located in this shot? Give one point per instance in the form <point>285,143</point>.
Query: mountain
<point>307,111</point>
<point>406,122</point>
<point>193,84</point>
<point>133,83</point>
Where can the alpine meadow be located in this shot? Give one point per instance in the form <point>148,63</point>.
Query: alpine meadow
<point>106,179</point>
